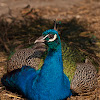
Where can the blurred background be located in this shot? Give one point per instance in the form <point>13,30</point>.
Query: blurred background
<point>23,21</point>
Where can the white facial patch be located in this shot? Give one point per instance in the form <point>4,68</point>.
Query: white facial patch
<point>45,37</point>
<point>51,40</point>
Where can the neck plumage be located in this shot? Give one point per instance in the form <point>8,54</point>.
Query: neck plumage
<point>53,66</point>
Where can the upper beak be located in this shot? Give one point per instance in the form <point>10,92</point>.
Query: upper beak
<point>40,39</point>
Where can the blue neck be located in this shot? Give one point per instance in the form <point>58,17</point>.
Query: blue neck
<point>53,66</point>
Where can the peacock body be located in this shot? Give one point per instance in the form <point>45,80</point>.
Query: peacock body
<point>49,83</point>
<point>28,56</point>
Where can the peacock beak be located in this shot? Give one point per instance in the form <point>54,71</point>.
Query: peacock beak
<point>40,40</point>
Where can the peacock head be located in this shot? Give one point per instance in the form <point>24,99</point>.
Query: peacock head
<point>51,38</point>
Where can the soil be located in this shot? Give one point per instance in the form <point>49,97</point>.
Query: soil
<point>83,10</point>
<point>17,4</point>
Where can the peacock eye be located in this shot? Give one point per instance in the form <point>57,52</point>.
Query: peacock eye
<point>50,36</point>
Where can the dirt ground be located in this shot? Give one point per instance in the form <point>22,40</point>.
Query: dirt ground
<point>83,10</point>
<point>17,4</point>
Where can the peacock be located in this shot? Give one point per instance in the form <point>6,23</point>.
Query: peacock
<point>47,83</point>
<point>28,56</point>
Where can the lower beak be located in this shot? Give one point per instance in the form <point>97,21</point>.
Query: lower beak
<point>39,40</point>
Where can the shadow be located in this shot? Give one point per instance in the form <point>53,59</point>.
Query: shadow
<point>77,36</point>
<point>21,33</point>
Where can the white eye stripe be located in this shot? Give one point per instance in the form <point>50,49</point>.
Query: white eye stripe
<point>55,36</point>
<point>45,37</point>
